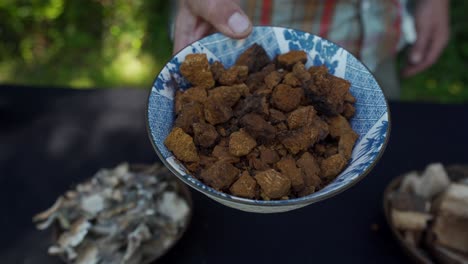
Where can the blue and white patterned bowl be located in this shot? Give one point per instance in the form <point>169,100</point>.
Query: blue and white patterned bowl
<point>371,120</point>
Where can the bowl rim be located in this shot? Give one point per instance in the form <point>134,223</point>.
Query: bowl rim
<point>305,200</point>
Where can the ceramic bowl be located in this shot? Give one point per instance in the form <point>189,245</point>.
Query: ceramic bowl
<point>371,120</point>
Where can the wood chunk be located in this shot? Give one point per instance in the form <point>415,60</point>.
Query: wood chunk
<point>181,145</point>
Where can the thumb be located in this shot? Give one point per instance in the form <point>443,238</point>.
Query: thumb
<point>224,15</point>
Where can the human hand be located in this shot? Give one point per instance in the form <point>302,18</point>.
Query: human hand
<point>198,18</point>
<point>433,30</point>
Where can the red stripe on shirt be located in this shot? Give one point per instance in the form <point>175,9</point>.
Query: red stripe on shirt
<point>265,18</point>
<point>397,25</point>
<point>326,18</point>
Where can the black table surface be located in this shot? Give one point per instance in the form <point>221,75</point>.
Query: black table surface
<point>53,138</point>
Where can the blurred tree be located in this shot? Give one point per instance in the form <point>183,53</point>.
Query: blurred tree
<point>115,43</point>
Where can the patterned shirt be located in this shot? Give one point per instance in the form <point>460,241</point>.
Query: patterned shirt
<point>373,30</point>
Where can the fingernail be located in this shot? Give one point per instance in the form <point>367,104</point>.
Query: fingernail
<point>238,23</point>
<point>415,58</point>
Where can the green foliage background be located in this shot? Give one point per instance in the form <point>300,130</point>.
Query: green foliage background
<point>120,43</point>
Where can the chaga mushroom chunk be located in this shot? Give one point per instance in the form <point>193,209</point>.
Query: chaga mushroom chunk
<point>332,166</point>
<point>217,112</point>
<point>311,169</point>
<point>181,144</point>
<point>288,59</point>
<point>255,58</point>
<point>252,104</point>
<point>273,185</point>
<point>241,143</point>
<point>340,129</point>
<point>191,113</point>
<point>273,79</point>
<point>228,95</point>
<point>301,139</point>
<point>245,186</point>
<point>302,116</point>
<point>286,98</point>
<point>220,175</point>
<point>194,94</point>
<point>234,75</point>
<point>268,155</point>
<point>217,70</point>
<point>327,92</point>
<point>288,167</point>
<point>300,71</point>
<point>196,69</point>
<point>258,127</point>
<point>205,135</point>
<point>291,80</point>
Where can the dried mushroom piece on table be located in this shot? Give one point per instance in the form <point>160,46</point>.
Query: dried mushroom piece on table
<point>430,210</point>
<point>121,215</point>
<point>260,120</point>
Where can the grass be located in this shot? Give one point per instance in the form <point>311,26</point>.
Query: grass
<point>118,43</point>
